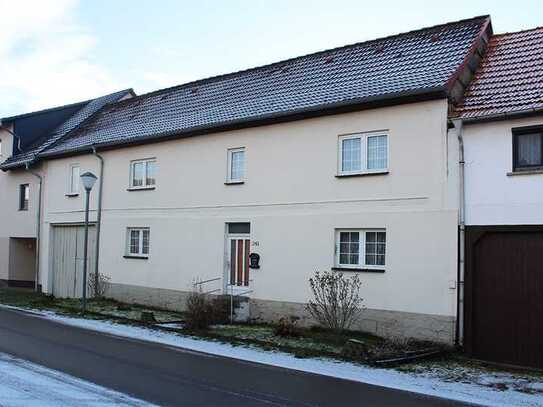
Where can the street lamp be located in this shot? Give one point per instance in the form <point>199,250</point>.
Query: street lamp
<point>88,179</point>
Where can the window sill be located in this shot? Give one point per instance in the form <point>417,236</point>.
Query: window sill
<point>72,194</point>
<point>136,257</point>
<point>525,172</point>
<point>132,189</point>
<point>234,182</point>
<point>22,210</point>
<point>358,270</point>
<point>362,174</point>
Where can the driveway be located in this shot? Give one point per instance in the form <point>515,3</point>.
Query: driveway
<point>171,376</point>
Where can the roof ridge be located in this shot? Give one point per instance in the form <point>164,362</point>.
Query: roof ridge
<point>214,78</point>
<point>518,32</point>
<point>52,109</point>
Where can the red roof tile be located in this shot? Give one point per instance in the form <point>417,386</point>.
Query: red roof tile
<point>510,78</point>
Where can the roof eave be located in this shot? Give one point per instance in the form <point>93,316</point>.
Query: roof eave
<point>418,95</point>
<point>513,114</point>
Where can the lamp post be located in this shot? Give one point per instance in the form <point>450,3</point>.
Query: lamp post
<point>88,179</point>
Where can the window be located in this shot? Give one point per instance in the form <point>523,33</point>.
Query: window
<point>24,196</point>
<point>138,242</point>
<point>527,148</point>
<point>73,182</point>
<point>360,249</point>
<point>236,165</point>
<point>363,153</point>
<point>0,147</point>
<point>143,174</point>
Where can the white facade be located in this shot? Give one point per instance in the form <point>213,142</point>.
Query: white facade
<point>495,195</point>
<point>295,203</point>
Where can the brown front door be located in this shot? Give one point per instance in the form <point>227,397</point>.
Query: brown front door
<point>504,308</point>
<point>239,247</point>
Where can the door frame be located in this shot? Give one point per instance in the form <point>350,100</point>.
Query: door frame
<point>227,287</point>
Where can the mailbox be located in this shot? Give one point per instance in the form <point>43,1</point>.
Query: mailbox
<point>254,261</point>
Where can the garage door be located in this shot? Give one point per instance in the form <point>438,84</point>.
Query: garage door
<point>504,304</point>
<point>67,261</point>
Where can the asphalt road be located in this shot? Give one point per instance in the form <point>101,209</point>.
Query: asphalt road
<point>170,376</point>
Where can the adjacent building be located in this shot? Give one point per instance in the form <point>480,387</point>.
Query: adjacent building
<point>501,124</point>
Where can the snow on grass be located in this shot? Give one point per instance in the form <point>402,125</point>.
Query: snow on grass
<point>23,383</point>
<point>424,382</point>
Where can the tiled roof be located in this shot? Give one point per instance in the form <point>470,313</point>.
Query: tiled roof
<point>90,108</point>
<point>417,62</point>
<point>510,78</point>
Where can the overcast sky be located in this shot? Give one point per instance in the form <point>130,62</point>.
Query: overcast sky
<point>54,52</point>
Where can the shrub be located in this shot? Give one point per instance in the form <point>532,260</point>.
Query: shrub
<point>287,327</point>
<point>98,286</point>
<point>199,311</point>
<point>336,302</point>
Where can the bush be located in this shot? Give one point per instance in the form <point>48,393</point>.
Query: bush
<point>98,286</point>
<point>287,327</point>
<point>336,302</point>
<point>199,313</point>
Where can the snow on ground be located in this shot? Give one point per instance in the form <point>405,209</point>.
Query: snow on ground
<point>23,384</point>
<point>481,392</point>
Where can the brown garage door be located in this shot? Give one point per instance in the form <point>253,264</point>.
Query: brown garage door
<point>504,304</point>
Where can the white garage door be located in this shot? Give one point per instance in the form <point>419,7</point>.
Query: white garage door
<point>67,265</point>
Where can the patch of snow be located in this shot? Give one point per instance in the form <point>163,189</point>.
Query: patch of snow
<point>424,383</point>
<point>23,383</point>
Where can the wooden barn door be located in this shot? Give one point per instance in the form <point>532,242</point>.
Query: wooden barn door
<point>504,314</point>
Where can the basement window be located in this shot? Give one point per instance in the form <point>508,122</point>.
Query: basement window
<point>360,154</point>
<point>137,242</point>
<point>360,249</point>
<point>528,149</point>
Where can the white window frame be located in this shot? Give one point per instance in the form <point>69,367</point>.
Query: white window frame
<point>69,189</point>
<point>231,151</point>
<point>139,253</point>
<point>361,250</point>
<point>144,185</point>
<point>363,153</point>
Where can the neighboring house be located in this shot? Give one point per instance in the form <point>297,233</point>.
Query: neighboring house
<point>501,123</point>
<point>20,186</point>
<point>337,160</point>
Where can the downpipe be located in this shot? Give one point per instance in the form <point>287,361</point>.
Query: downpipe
<point>98,219</point>
<point>459,128</point>
<point>38,227</point>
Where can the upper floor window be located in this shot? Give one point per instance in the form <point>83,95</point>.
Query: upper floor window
<point>24,196</point>
<point>138,241</point>
<point>143,173</point>
<point>363,153</point>
<point>236,165</point>
<point>73,181</point>
<point>527,148</point>
<point>357,248</point>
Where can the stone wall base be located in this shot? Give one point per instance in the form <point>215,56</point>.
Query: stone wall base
<point>172,300</point>
<point>391,324</point>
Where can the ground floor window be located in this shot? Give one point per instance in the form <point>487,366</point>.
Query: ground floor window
<point>137,242</point>
<point>358,248</point>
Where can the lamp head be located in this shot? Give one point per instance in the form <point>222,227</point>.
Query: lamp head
<point>88,179</point>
